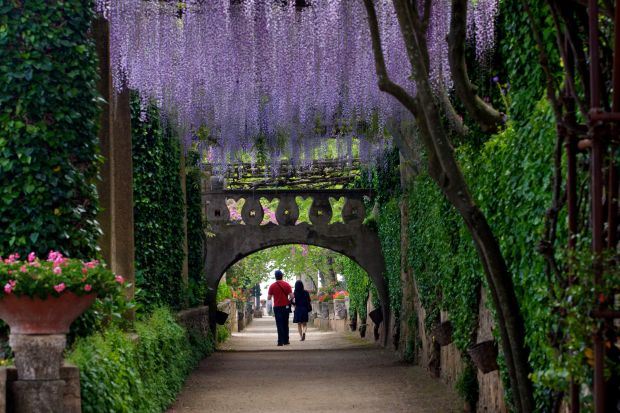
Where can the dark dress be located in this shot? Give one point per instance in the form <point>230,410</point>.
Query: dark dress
<point>302,305</point>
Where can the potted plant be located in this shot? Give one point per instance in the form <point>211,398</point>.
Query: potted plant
<point>39,301</point>
<point>484,356</point>
<point>46,296</point>
<point>443,333</point>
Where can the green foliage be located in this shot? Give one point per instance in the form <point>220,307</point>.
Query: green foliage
<point>48,129</point>
<point>223,292</point>
<point>222,333</point>
<point>195,235</point>
<point>467,385</point>
<point>444,262</point>
<point>158,210</point>
<point>121,373</point>
<point>389,235</point>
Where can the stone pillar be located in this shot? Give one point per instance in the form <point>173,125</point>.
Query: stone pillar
<point>116,186</point>
<point>38,359</point>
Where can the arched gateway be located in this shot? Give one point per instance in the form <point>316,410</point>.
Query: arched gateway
<point>234,240</point>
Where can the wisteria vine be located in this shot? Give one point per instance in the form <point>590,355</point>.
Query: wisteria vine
<point>237,77</point>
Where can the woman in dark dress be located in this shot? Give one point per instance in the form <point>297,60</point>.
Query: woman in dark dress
<point>302,308</point>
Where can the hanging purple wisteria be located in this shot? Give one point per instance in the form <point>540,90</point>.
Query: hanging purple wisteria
<point>239,77</point>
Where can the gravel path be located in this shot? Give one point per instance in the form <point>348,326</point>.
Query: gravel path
<point>329,372</point>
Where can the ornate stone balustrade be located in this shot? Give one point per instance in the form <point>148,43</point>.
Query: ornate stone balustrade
<point>287,211</point>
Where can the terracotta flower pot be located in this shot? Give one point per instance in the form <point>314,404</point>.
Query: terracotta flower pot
<point>52,315</point>
<point>221,317</point>
<point>484,356</point>
<point>376,315</point>
<point>443,333</point>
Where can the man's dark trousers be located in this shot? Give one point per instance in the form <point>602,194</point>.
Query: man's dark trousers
<point>281,314</point>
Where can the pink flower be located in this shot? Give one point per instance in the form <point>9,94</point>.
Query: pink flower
<point>8,288</point>
<point>119,279</point>
<point>31,257</point>
<point>13,258</point>
<point>60,287</point>
<point>57,270</point>
<point>84,270</point>
<point>23,268</point>
<point>12,283</point>
<point>91,264</point>
<point>88,287</point>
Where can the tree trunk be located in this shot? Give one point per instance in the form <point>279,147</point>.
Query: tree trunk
<point>445,171</point>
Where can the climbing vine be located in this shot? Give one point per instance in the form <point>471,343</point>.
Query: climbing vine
<point>389,235</point>
<point>358,286</point>
<point>48,129</point>
<point>195,235</point>
<point>158,210</point>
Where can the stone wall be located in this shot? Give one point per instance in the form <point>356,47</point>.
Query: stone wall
<point>491,397</point>
<point>450,363</point>
<point>230,308</point>
<point>195,320</point>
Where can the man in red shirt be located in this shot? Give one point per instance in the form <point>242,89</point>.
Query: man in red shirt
<point>282,294</point>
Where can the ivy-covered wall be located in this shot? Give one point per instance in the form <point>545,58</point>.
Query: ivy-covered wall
<point>510,175</point>
<point>48,129</point>
<point>195,235</point>
<point>158,210</point>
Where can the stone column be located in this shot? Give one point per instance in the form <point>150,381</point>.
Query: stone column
<point>38,359</point>
<point>116,185</point>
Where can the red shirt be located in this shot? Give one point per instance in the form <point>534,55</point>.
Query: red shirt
<point>280,291</point>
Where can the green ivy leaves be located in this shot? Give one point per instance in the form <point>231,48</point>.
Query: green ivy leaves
<point>48,129</point>
<point>158,210</point>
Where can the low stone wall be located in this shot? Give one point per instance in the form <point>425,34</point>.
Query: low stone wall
<point>330,320</point>
<point>71,396</point>
<point>195,320</point>
<point>230,308</point>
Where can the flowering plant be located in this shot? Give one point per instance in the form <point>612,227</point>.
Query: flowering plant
<point>34,277</point>
<point>324,298</point>
<point>340,295</point>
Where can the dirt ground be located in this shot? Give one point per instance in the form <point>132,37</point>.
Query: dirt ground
<point>329,372</point>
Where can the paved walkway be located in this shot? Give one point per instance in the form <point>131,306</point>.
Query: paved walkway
<point>329,372</point>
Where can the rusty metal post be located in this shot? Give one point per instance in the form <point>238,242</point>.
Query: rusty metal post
<point>596,176</point>
<point>612,194</point>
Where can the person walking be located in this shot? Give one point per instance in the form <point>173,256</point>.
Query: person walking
<point>301,299</point>
<point>282,294</point>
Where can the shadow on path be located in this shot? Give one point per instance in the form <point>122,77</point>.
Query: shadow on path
<point>249,373</point>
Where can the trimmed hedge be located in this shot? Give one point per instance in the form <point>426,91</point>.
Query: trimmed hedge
<point>48,128</point>
<point>120,373</point>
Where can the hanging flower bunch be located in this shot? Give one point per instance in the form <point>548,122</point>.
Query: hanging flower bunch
<point>55,275</point>
<point>263,75</point>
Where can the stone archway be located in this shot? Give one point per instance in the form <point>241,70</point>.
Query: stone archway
<point>234,240</point>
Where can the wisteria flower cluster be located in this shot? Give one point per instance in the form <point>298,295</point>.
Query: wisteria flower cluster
<point>296,77</point>
<point>35,277</point>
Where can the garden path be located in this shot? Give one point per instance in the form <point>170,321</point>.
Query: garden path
<point>329,372</point>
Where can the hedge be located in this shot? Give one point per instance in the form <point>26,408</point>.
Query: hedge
<point>121,373</point>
